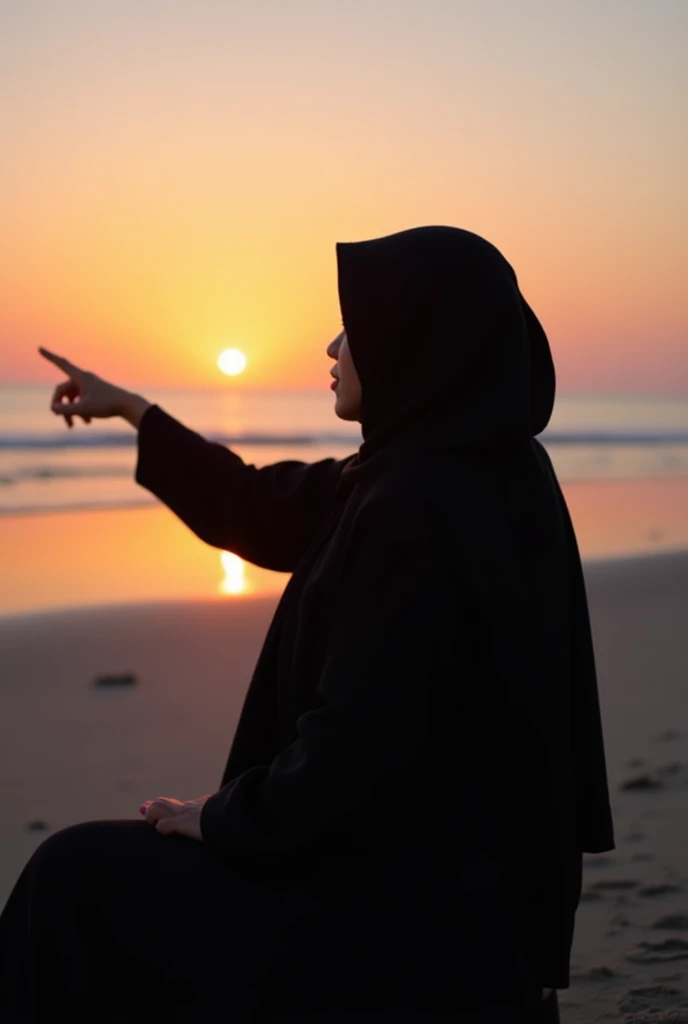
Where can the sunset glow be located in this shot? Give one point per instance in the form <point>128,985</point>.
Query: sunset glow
<point>177,175</point>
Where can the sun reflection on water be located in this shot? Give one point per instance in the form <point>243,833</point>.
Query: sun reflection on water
<point>233,581</point>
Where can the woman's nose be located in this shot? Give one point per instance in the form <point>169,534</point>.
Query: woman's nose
<point>333,347</point>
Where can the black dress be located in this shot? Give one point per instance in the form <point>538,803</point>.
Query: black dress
<point>418,765</point>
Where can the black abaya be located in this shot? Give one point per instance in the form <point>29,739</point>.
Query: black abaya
<point>110,921</point>
<point>418,765</point>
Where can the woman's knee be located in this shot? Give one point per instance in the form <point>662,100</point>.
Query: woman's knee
<point>80,848</point>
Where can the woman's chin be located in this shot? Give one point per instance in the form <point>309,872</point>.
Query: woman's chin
<point>344,411</point>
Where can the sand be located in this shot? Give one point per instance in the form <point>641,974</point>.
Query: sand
<point>72,752</point>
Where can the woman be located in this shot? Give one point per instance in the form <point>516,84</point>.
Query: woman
<point>418,765</point>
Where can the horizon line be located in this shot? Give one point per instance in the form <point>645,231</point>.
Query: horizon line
<point>319,389</point>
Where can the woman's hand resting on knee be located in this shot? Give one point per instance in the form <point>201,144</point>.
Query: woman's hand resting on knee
<point>169,816</point>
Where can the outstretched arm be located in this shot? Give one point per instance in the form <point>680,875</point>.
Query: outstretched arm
<point>267,516</point>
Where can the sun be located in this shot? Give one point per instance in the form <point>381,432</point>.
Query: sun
<point>232,361</point>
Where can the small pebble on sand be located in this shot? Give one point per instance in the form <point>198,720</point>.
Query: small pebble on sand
<point>121,679</point>
<point>36,826</point>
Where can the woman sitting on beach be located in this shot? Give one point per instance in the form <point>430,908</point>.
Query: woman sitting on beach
<point>418,766</point>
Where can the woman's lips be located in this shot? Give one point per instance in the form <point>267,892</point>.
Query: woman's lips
<point>334,384</point>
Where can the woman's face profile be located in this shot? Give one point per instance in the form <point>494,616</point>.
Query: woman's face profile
<point>348,389</point>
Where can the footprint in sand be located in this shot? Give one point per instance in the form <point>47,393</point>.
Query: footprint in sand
<point>674,922</point>
<point>667,736</point>
<point>654,1003</point>
<point>600,973</point>
<point>655,952</point>
<point>615,884</point>
<point>662,889</point>
<point>598,862</point>
<point>641,782</point>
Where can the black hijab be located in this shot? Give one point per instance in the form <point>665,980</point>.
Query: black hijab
<point>443,341</point>
<point>457,379</point>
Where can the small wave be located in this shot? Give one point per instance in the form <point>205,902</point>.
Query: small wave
<point>117,440</point>
<point>63,473</point>
<point>77,506</point>
<point>94,440</point>
<point>595,438</point>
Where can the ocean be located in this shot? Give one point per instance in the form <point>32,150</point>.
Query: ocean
<point>44,466</point>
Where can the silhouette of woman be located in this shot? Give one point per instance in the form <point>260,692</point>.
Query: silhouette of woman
<point>419,763</point>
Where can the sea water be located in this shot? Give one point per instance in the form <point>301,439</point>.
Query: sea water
<point>46,466</point>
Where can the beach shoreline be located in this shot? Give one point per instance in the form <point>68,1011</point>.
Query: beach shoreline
<point>145,553</point>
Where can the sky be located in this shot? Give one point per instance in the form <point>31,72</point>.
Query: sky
<point>174,176</point>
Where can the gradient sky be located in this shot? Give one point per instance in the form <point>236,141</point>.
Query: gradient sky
<point>175,175</point>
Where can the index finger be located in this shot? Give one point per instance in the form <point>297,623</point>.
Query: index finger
<point>60,361</point>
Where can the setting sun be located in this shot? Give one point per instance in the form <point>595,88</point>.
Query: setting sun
<point>232,361</point>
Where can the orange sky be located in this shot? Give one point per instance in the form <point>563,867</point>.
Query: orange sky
<point>176,176</point>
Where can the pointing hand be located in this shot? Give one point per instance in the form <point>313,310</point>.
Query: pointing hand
<point>88,395</point>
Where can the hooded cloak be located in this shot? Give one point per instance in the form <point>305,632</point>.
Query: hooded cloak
<point>456,368</point>
<point>418,764</point>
